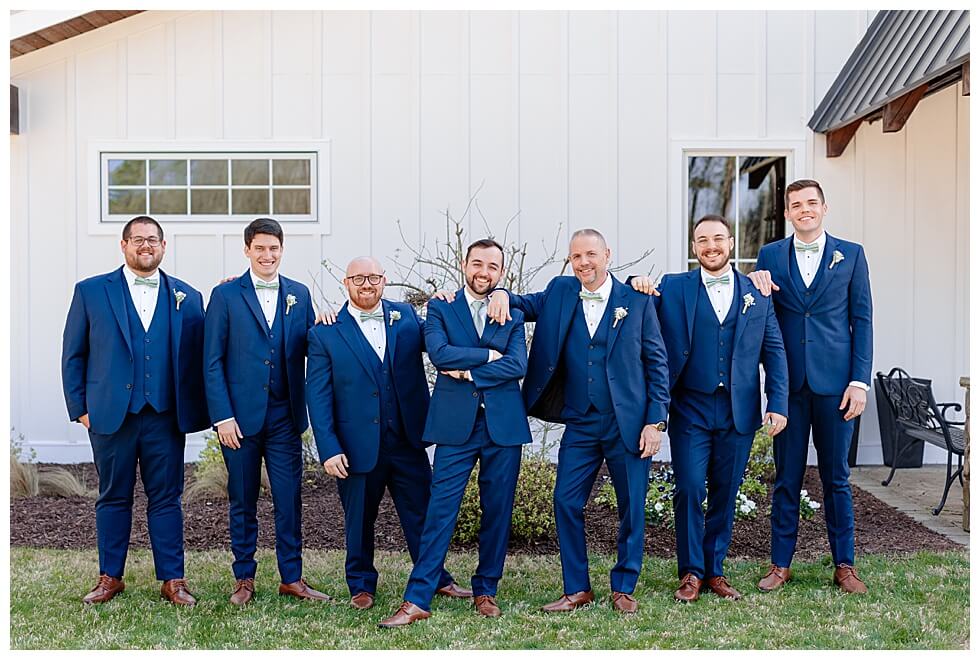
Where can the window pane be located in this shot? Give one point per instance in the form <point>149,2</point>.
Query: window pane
<point>296,202</point>
<point>168,172</point>
<point>209,173</point>
<point>291,172</point>
<point>168,202</point>
<point>746,266</point>
<point>250,173</point>
<point>126,202</point>
<point>761,182</point>
<point>711,181</point>
<point>127,172</point>
<point>209,202</point>
<point>249,202</point>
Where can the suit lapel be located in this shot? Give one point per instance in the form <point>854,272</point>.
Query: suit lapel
<point>176,320</point>
<point>347,327</point>
<point>569,303</point>
<point>788,262</point>
<point>462,309</point>
<point>391,330</point>
<point>117,301</point>
<point>743,287</point>
<point>285,288</point>
<point>617,298</point>
<point>691,285</point>
<point>826,274</point>
<point>252,300</point>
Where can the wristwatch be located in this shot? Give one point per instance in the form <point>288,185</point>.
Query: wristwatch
<point>660,426</point>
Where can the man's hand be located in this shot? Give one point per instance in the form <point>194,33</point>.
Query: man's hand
<point>336,466</point>
<point>644,284</point>
<point>773,423</point>
<point>499,308</point>
<point>454,373</point>
<point>83,420</point>
<point>442,294</point>
<point>228,279</point>
<point>855,399</point>
<point>326,317</point>
<point>229,434</point>
<point>649,441</point>
<point>495,355</point>
<point>763,282</point>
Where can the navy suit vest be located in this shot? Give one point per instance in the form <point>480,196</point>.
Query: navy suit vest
<point>382,372</point>
<point>585,364</point>
<point>712,345</point>
<point>278,385</point>
<point>153,368</point>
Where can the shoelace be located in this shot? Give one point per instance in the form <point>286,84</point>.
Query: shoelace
<point>105,581</point>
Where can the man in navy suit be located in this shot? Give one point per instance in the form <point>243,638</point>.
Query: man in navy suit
<point>254,358</point>
<point>717,327</point>
<point>476,414</point>
<point>132,375</point>
<point>599,366</point>
<point>368,398</point>
<point>823,304</point>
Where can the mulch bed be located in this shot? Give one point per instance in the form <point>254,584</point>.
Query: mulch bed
<point>69,523</point>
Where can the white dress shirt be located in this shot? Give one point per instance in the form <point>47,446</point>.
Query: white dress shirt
<point>144,297</point>
<point>809,261</point>
<point>372,329</point>
<point>594,309</point>
<point>268,298</point>
<point>720,295</point>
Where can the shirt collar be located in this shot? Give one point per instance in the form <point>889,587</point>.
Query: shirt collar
<point>256,278</point>
<point>820,242</point>
<point>131,276</point>
<point>605,289</point>
<point>356,313</point>
<point>705,276</point>
<point>470,299</point>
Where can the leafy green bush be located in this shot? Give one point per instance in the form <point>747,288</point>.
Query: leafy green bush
<point>534,516</point>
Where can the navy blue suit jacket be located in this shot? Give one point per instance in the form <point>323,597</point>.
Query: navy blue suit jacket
<point>342,393</point>
<point>636,363</point>
<point>827,330</point>
<point>97,353</point>
<point>757,339</point>
<point>452,343</point>
<point>236,353</point>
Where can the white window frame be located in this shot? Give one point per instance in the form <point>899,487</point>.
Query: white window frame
<point>318,151</point>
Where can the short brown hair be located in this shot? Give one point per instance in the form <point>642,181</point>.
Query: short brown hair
<point>141,220</point>
<point>485,243</point>
<point>712,218</point>
<point>801,184</point>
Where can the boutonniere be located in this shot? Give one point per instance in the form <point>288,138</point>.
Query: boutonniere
<point>748,300</point>
<point>179,297</point>
<point>394,316</point>
<point>836,258</point>
<point>290,301</point>
<point>619,314</point>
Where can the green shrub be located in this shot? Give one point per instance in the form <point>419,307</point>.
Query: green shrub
<point>534,516</point>
<point>210,477</point>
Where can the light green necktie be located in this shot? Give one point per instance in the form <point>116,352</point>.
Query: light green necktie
<point>372,316</point>
<point>589,295</point>
<point>146,281</point>
<point>711,281</point>
<point>806,247</point>
<point>259,284</point>
<point>476,306</point>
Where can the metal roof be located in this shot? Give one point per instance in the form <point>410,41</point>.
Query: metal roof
<point>901,51</point>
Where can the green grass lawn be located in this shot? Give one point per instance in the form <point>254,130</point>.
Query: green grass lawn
<point>919,601</point>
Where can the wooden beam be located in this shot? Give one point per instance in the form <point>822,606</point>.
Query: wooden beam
<point>966,78</point>
<point>839,138</point>
<point>14,111</point>
<point>898,111</point>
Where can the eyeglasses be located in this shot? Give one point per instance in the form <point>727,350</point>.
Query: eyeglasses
<point>358,280</point>
<point>138,241</point>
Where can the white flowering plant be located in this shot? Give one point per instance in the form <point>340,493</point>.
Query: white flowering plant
<point>808,508</point>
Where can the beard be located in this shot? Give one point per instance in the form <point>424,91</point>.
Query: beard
<point>144,263</point>
<point>478,288</point>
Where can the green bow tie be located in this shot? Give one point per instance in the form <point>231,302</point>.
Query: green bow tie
<point>589,295</point>
<point>711,281</point>
<point>146,281</point>
<point>372,316</point>
<point>259,284</point>
<point>806,247</point>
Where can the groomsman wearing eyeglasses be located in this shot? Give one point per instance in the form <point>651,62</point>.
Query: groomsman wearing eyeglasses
<point>368,398</point>
<point>255,357</point>
<point>132,375</point>
<point>823,304</point>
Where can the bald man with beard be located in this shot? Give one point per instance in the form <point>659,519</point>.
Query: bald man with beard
<point>368,398</point>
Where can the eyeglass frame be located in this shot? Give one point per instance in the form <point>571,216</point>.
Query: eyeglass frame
<point>139,241</point>
<point>363,278</point>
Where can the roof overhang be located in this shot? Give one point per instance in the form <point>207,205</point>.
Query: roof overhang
<point>33,30</point>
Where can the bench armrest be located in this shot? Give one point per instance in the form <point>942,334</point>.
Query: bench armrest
<point>943,407</point>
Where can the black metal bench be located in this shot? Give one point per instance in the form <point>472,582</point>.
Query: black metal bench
<point>919,418</point>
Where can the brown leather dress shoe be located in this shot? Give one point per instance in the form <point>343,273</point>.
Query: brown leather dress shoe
<point>176,592</point>
<point>690,588</point>
<point>362,601</point>
<point>407,614</point>
<point>104,591</point>
<point>720,586</point>
<point>244,590</point>
<point>569,602</point>
<point>847,579</point>
<point>453,590</point>
<point>775,578</point>
<point>486,606</point>
<point>299,589</point>
<point>624,603</point>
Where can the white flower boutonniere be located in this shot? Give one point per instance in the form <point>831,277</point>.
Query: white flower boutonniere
<point>290,301</point>
<point>747,301</point>
<point>619,314</point>
<point>836,258</point>
<point>179,297</point>
<point>394,316</point>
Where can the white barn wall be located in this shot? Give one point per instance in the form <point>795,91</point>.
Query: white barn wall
<point>571,118</point>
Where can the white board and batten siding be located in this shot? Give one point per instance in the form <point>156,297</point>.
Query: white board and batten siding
<point>570,118</point>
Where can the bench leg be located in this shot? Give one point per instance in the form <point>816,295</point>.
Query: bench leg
<point>950,478</point>
<point>959,462</point>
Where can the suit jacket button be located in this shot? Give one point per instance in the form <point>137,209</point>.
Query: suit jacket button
<point>129,386</point>
<point>476,394</point>
<point>803,341</point>
<point>686,353</point>
<point>375,420</point>
<point>267,362</point>
<point>374,394</point>
<point>807,315</point>
<point>551,368</point>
